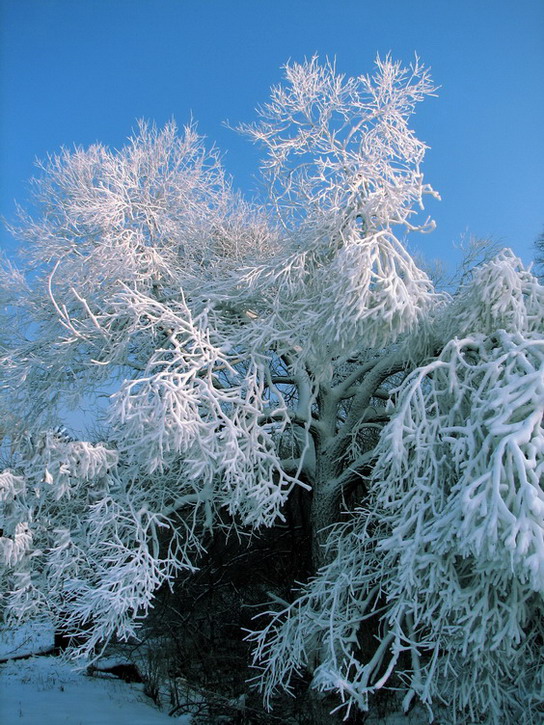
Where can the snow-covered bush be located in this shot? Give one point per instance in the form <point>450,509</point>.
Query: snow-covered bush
<point>255,352</point>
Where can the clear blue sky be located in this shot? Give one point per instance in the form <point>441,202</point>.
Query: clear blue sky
<point>80,71</point>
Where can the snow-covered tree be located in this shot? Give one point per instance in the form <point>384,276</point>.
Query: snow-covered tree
<point>539,257</point>
<point>257,350</point>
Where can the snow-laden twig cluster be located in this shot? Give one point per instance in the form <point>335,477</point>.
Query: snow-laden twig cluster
<point>343,146</point>
<point>383,295</point>
<point>193,410</point>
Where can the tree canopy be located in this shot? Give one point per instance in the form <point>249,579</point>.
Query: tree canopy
<point>257,350</point>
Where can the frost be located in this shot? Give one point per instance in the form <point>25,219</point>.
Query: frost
<point>11,486</point>
<point>13,549</point>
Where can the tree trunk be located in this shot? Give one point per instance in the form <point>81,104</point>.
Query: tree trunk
<point>325,510</point>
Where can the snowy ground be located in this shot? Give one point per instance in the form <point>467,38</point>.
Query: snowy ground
<point>46,690</point>
<point>30,638</point>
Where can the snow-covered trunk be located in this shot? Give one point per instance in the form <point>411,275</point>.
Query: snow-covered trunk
<point>325,496</point>
<point>325,506</point>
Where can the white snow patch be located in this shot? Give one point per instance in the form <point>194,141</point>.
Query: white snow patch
<point>26,639</point>
<point>48,691</point>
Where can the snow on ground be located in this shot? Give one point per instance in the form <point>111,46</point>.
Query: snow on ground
<point>29,638</point>
<point>47,690</point>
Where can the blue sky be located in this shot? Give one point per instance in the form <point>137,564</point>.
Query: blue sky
<point>80,71</point>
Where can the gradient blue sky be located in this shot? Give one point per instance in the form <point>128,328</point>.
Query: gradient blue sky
<point>80,71</point>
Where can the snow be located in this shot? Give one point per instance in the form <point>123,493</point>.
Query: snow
<point>30,638</point>
<point>47,690</point>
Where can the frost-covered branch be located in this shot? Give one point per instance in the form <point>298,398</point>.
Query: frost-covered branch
<point>343,145</point>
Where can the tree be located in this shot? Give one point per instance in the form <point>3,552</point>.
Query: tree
<point>539,257</point>
<point>260,350</point>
